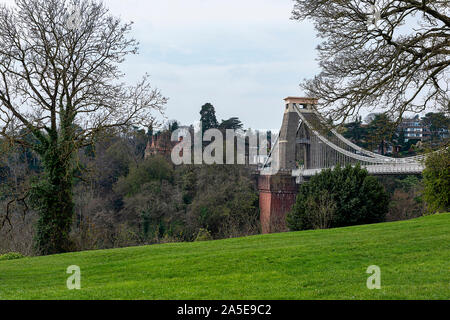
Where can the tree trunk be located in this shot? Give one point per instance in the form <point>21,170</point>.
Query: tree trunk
<point>53,199</point>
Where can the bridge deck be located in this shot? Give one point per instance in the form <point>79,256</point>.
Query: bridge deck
<point>379,169</point>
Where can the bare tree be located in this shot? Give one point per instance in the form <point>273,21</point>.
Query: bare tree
<point>386,54</point>
<point>322,208</point>
<point>60,81</point>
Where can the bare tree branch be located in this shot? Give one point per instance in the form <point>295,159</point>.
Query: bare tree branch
<point>397,64</point>
<point>67,81</point>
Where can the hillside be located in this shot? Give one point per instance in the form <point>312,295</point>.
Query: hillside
<point>414,257</point>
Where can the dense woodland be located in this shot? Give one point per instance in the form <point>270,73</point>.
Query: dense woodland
<point>122,199</point>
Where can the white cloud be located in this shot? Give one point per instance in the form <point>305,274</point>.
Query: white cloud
<point>182,13</point>
<point>253,92</point>
<point>244,56</point>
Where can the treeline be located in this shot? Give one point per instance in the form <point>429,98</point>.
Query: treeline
<point>380,133</point>
<point>122,198</point>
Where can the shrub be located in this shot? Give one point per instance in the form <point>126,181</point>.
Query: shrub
<point>203,235</point>
<point>437,181</point>
<point>405,205</point>
<point>321,208</point>
<point>154,169</point>
<point>11,256</point>
<point>351,195</point>
<point>226,202</point>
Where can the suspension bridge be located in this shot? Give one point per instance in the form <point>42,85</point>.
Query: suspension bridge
<point>306,145</point>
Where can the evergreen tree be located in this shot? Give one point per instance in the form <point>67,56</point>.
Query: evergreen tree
<point>437,181</point>
<point>380,131</point>
<point>355,197</point>
<point>356,132</point>
<point>439,125</point>
<point>208,117</point>
<point>232,123</point>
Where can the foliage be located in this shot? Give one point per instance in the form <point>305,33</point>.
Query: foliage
<point>52,198</point>
<point>406,196</point>
<point>359,198</point>
<point>408,183</point>
<point>121,199</point>
<point>405,205</point>
<point>151,200</point>
<point>439,124</point>
<point>112,159</point>
<point>11,256</point>
<point>203,235</point>
<point>226,202</point>
<point>173,126</point>
<point>232,123</point>
<point>320,209</point>
<point>437,181</point>
<point>153,169</point>
<point>380,131</point>
<point>187,177</point>
<point>208,117</point>
<point>356,132</point>
<point>160,201</point>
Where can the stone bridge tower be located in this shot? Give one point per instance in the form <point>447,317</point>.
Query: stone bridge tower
<point>277,192</point>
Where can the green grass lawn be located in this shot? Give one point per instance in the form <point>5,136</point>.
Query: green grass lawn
<point>414,257</point>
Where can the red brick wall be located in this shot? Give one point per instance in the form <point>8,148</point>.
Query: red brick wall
<point>276,197</point>
<point>265,205</point>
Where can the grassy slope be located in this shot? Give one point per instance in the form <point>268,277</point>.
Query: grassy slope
<point>330,264</point>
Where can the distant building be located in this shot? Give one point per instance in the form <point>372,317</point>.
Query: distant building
<point>158,145</point>
<point>161,143</point>
<point>415,129</point>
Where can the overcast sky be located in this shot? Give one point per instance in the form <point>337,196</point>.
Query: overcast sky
<point>243,56</point>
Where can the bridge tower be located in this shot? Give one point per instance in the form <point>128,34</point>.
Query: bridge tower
<point>277,192</point>
<point>306,146</point>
